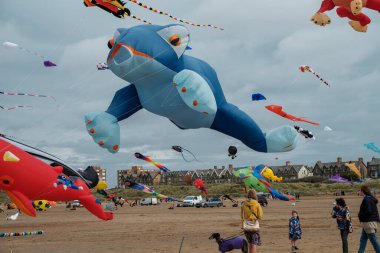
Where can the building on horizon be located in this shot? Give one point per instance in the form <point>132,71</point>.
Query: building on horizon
<point>224,175</point>
<point>373,167</point>
<point>102,173</point>
<point>329,169</point>
<point>292,172</point>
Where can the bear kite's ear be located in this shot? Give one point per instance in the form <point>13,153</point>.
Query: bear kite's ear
<point>177,36</point>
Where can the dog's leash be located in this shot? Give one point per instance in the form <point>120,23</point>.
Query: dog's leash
<point>180,247</point>
<point>235,235</point>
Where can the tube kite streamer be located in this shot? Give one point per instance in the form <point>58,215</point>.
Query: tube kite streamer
<point>25,94</point>
<point>305,68</point>
<point>15,107</point>
<point>183,89</point>
<point>146,189</point>
<point>149,160</point>
<point>278,110</point>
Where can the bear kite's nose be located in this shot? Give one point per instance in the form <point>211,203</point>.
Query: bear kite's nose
<point>123,52</point>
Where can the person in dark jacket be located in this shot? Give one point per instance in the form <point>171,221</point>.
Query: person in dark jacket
<point>343,220</point>
<point>368,217</point>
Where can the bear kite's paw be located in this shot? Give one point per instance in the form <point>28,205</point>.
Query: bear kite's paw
<point>321,19</point>
<point>358,27</point>
<point>104,129</point>
<point>356,7</point>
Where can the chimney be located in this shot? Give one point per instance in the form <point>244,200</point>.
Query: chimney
<point>287,163</point>
<point>339,159</point>
<point>319,161</point>
<point>215,167</point>
<point>223,167</point>
<point>230,166</point>
<point>361,160</point>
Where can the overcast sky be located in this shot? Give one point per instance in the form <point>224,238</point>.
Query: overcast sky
<point>260,50</point>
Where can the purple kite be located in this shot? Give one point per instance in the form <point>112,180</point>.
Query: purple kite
<point>338,179</point>
<point>49,64</point>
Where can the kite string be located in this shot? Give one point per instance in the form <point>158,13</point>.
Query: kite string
<point>171,16</point>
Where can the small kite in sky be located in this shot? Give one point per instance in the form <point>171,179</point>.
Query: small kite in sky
<point>327,129</point>
<point>305,68</point>
<point>102,66</point>
<point>372,146</point>
<point>232,151</point>
<point>278,110</point>
<point>15,107</point>
<point>182,150</point>
<point>305,133</point>
<point>46,63</point>
<point>149,160</point>
<point>258,96</point>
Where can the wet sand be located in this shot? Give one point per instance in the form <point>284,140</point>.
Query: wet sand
<point>146,229</point>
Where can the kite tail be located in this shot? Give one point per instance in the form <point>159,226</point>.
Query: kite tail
<point>140,19</point>
<point>171,16</point>
<point>15,107</point>
<point>320,78</point>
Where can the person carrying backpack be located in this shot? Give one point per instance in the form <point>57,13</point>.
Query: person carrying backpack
<point>343,220</point>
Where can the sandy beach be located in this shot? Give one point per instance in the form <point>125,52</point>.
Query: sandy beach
<point>146,229</point>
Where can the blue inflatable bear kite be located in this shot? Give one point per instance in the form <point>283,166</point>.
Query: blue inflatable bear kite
<point>181,88</point>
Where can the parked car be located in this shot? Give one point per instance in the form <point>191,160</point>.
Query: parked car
<point>211,202</point>
<point>76,203</point>
<point>191,200</point>
<point>262,200</point>
<point>149,201</point>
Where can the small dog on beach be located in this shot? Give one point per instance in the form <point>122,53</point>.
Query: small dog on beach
<point>230,244</point>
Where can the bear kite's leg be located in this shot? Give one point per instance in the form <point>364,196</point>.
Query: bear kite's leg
<point>362,18</point>
<point>125,103</point>
<point>373,5</point>
<point>231,121</point>
<point>104,127</point>
<point>327,5</point>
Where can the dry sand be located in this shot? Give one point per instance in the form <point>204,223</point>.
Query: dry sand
<point>158,229</point>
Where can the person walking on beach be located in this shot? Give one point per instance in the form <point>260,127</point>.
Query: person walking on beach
<point>368,217</point>
<point>343,220</point>
<point>295,230</point>
<point>251,212</point>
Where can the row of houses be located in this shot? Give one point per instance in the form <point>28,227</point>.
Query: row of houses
<point>224,174</point>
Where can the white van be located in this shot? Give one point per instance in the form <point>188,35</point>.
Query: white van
<point>148,201</point>
<point>192,200</point>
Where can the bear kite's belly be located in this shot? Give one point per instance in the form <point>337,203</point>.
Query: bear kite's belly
<point>158,95</point>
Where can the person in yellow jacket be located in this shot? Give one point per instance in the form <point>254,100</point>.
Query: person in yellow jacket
<point>251,211</point>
